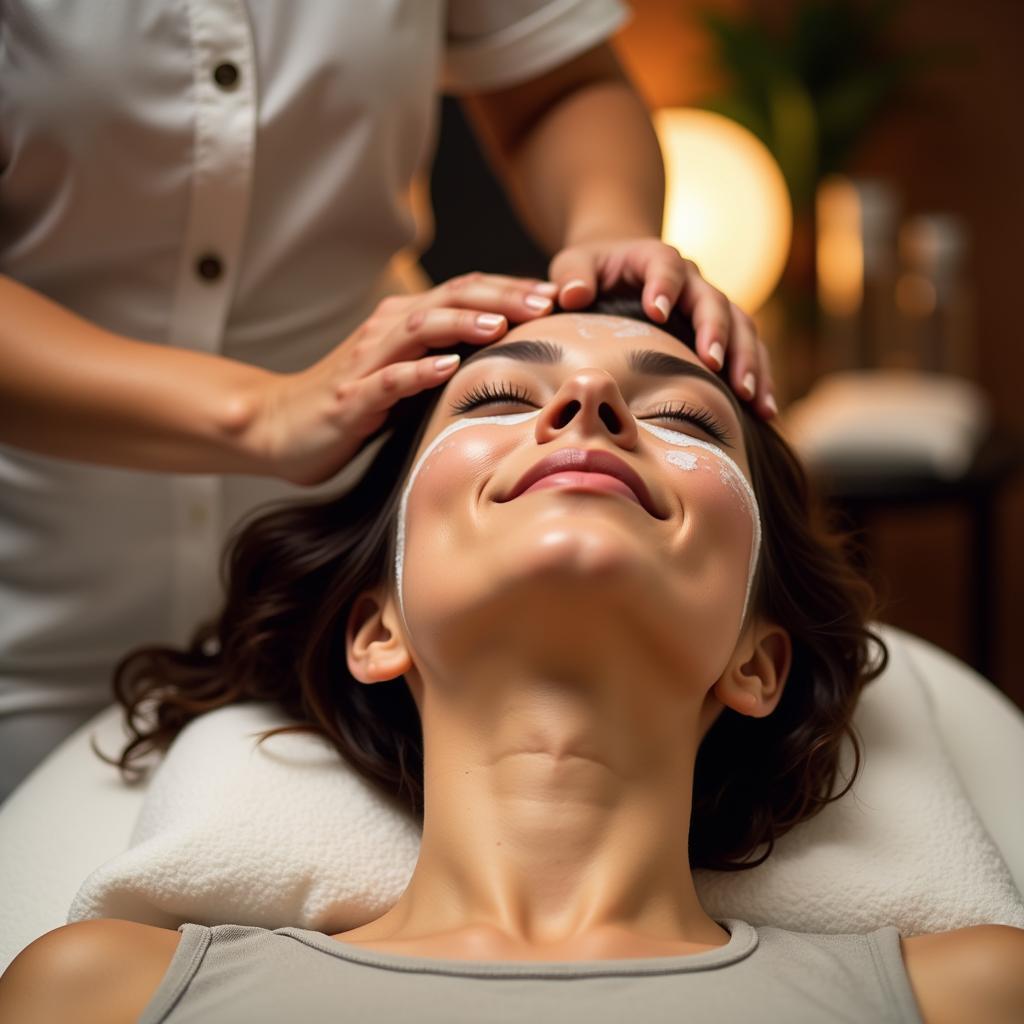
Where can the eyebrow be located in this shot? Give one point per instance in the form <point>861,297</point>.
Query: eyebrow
<point>645,361</point>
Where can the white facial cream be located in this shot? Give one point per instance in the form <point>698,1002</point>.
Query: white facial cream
<point>729,471</point>
<point>582,325</point>
<point>623,326</point>
<point>509,420</point>
<point>626,328</point>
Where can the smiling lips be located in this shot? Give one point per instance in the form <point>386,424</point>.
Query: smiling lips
<point>594,469</point>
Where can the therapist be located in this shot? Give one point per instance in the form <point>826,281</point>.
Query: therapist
<point>200,207</point>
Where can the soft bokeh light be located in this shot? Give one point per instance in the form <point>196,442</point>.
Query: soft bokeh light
<point>727,207</point>
<point>840,247</point>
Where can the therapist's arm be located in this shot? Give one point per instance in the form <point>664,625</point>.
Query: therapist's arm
<point>72,389</point>
<point>577,152</point>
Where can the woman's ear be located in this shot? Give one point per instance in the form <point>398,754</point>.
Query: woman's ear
<point>755,677</point>
<point>374,643</point>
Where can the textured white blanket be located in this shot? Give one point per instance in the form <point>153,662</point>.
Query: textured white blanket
<point>286,834</point>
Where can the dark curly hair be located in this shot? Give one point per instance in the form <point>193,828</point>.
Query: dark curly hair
<point>292,569</point>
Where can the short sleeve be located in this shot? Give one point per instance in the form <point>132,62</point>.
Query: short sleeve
<point>495,43</point>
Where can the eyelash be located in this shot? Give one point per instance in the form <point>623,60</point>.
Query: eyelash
<point>482,394</point>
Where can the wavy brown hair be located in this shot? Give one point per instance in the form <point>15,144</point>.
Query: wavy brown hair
<point>292,569</point>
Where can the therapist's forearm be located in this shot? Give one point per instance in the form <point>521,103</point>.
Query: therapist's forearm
<point>74,390</point>
<point>590,169</point>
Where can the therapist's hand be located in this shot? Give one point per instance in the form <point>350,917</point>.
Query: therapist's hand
<point>724,331</point>
<point>310,424</point>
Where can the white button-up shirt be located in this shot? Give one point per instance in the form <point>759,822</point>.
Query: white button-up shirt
<point>222,175</point>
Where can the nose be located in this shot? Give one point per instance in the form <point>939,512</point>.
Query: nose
<point>590,404</point>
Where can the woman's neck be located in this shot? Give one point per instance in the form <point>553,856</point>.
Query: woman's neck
<point>557,814</point>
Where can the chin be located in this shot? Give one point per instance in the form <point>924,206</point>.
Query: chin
<point>587,539</point>
<point>590,550</point>
<point>564,577</point>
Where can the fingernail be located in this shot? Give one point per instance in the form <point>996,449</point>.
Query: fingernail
<point>717,353</point>
<point>749,383</point>
<point>537,302</point>
<point>770,402</point>
<point>546,288</point>
<point>488,321</point>
<point>576,282</point>
<point>663,305</point>
<point>446,362</point>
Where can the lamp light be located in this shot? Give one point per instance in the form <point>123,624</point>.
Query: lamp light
<point>727,206</point>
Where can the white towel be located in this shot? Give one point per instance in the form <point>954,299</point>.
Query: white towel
<point>889,422</point>
<point>286,834</point>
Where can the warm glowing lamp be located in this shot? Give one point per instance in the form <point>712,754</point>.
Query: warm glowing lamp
<point>727,207</point>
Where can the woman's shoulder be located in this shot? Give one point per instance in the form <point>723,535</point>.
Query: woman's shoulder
<point>972,973</point>
<point>103,970</point>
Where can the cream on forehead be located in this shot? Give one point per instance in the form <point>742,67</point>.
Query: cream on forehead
<point>730,474</point>
<point>622,326</point>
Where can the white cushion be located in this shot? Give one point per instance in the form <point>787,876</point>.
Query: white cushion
<point>287,835</point>
<point>895,421</point>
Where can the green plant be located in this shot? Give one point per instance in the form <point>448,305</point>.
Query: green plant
<point>811,90</point>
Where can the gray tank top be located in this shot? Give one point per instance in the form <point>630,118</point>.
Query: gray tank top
<point>239,974</point>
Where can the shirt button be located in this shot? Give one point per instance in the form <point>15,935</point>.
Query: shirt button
<point>209,267</point>
<point>226,75</point>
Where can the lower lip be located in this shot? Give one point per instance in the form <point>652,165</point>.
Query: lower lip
<point>584,481</point>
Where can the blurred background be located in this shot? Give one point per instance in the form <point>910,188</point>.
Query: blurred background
<point>849,172</point>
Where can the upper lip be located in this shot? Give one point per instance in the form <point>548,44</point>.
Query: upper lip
<point>590,460</point>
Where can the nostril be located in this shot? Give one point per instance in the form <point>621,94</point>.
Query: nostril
<point>608,417</point>
<point>567,413</point>
<point>605,411</point>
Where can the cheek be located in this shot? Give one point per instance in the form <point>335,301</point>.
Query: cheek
<point>711,495</point>
<point>438,496</point>
<point>718,539</point>
<point>726,503</point>
<point>712,481</point>
<point>450,473</point>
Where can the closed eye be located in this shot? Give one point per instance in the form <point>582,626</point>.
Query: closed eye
<point>688,414</point>
<point>701,418</point>
<point>482,394</point>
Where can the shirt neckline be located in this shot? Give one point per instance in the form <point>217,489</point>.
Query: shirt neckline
<point>742,942</point>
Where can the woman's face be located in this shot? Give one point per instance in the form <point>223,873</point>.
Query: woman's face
<point>577,551</point>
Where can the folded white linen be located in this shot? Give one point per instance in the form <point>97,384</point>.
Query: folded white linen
<point>889,421</point>
<point>287,834</point>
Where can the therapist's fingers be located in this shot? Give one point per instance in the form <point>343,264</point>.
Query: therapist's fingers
<point>365,402</point>
<point>713,321</point>
<point>518,298</point>
<point>413,335</point>
<point>574,272</point>
<point>312,423</point>
<point>664,277</point>
<point>582,270</point>
<point>424,329</point>
<point>726,333</point>
<point>765,402</point>
<point>745,372</point>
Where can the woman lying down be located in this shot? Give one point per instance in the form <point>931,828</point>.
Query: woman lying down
<point>580,615</point>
